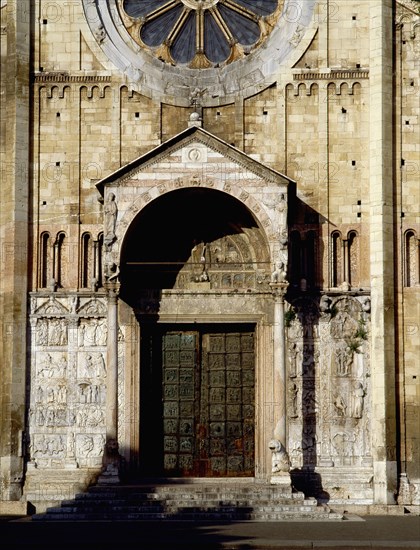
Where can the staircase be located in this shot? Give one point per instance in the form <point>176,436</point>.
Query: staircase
<point>221,501</point>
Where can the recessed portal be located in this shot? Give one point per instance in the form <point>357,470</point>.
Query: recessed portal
<point>193,236</point>
<point>197,401</point>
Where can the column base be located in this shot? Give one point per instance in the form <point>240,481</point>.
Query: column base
<point>109,478</point>
<point>282,480</point>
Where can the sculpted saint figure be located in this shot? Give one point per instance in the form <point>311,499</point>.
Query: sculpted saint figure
<point>110,219</point>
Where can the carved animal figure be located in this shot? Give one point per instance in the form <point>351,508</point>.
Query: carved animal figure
<point>280,462</point>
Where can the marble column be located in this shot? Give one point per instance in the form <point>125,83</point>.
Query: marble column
<point>281,463</point>
<point>279,290</point>
<point>111,458</point>
<point>112,363</point>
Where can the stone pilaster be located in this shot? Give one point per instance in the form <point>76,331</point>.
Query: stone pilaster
<point>382,252</point>
<point>14,116</point>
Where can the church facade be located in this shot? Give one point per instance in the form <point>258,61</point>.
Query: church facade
<point>210,245</point>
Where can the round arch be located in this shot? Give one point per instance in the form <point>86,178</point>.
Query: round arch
<point>193,238</point>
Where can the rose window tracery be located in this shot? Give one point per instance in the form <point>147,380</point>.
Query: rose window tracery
<point>200,33</point>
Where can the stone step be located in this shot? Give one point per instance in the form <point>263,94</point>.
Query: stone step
<point>169,503</point>
<point>191,516</point>
<point>187,503</point>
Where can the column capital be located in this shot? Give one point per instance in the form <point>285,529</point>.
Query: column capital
<point>112,289</point>
<point>279,290</point>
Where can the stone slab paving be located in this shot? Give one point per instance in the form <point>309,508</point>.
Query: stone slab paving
<point>358,533</point>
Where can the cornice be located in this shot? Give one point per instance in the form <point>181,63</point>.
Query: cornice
<point>64,77</point>
<point>331,74</point>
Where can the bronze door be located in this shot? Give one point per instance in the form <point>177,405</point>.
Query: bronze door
<point>207,403</point>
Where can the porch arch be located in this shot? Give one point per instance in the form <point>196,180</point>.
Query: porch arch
<point>190,236</point>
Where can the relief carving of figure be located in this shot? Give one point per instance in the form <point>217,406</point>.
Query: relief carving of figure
<point>82,330</point>
<point>293,400</point>
<point>101,333</point>
<point>358,396</point>
<point>86,446</point>
<point>89,369</point>
<point>57,333</point>
<point>42,333</point>
<point>90,415</point>
<point>49,446</point>
<point>344,360</point>
<point>95,417</point>
<point>293,359</point>
<point>40,417</point>
<point>90,334</point>
<point>99,365</point>
<point>340,405</point>
<point>61,367</point>
<point>39,394</point>
<point>283,237</point>
<point>45,370</point>
<point>110,219</point>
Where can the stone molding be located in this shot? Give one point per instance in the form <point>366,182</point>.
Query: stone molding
<point>63,77</point>
<point>333,74</point>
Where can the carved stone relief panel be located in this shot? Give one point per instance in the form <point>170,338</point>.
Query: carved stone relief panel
<point>237,261</point>
<point>328,403</point>
<point>66,413</point>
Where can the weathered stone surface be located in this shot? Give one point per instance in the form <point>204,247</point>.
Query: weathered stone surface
<point>300,160</point>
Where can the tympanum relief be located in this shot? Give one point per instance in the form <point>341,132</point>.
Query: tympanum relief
<point>328,397</point>
<point>237,261</point>
<point>68,382</point>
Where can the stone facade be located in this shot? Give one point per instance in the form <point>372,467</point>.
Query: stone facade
<point>301,162</point>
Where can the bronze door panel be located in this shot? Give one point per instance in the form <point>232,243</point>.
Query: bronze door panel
<point>206,391</point>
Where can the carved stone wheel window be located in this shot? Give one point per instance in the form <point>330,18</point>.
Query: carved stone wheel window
<point>200,33</point>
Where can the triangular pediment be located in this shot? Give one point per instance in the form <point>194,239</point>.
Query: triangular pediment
<point>52,307</point>
<point>188,151</point>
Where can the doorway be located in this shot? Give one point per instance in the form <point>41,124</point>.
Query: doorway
<point>197,400</point>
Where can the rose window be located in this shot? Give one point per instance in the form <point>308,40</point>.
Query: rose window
<point>200,33</point>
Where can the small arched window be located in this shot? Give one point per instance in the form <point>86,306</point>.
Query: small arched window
<point>86,260</point>
<point>98,260</point>
<point>337,259</point>
<point>60,260</point>
<point>353,259</point>
<point>411,259</point>
<point>44,260</point>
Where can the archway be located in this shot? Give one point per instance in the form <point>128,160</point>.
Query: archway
<point>197,363</point>
<point>193,236</point>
